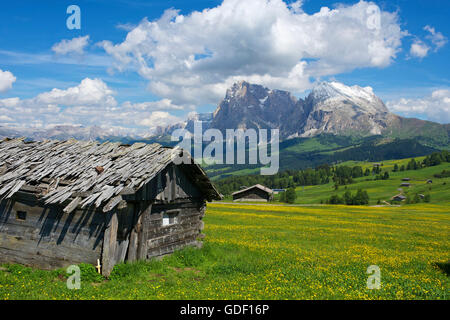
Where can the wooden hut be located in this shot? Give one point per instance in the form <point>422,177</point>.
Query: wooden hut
<point>405,184</point>
<point>68,202</point>
<point>398,197</point>
<point>254,193</point>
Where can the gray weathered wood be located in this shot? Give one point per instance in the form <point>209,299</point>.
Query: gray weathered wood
<point>109,245</point>
<point>86,201</point>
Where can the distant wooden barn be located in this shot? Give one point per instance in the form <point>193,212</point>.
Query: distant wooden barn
<point>68,202</point>
<point>377,164</point>
<point>398,197</point>
<point>254,193</point>
<point>405,184</point>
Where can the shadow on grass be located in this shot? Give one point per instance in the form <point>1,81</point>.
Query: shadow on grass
<point>443,266</point>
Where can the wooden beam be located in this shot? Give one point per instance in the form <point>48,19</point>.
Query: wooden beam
<point>72,205</point>
<point>142,234</point>
<point>109,244</point>
<point>137,225</point>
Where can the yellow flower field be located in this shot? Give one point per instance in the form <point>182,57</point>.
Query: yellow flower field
<point>324,251</point>
<point>277,252</point>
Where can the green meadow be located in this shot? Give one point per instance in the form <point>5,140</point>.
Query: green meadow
<point>276,252</point>
<point>384,190</point>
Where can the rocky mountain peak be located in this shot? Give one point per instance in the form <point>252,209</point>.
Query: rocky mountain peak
<point>246,90</point>
<point>331,95</point>
<point>328,90</point>
<point>331,107</point>
<point>239,89</point>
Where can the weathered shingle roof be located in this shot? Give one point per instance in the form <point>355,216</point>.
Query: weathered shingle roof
<point>259,186</point>
<point>398,196</point>
<point>85,172</point>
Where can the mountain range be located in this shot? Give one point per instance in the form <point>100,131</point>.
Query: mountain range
<point>62,132</point>
<point>330,108</point>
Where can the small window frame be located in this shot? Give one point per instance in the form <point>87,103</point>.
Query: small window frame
<point>170,217</point>
<point>21,215</point>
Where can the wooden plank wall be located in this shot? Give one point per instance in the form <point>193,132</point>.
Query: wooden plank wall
<point>170,190</point>
<point>162,240</point>
<point>48,238</point>
<point>118,233</point>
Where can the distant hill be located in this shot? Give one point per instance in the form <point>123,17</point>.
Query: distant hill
<point>316,186</point>
<point>302,153</point>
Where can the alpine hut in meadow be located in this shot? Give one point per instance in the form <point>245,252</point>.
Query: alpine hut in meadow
<point>398,197</point>
<point>254,193</point>
<point>70,202</point>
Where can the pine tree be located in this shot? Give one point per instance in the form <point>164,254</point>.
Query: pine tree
<point>290,195</point>
<point>348,199</point>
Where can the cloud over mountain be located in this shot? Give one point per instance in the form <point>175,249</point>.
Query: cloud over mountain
<point>90,103</point>
<point>193,59</point>
<point>435,107</point>
<point>6,80</point>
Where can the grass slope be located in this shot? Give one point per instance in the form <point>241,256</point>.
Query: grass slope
<point>302,153</point>
<point>384,190</point>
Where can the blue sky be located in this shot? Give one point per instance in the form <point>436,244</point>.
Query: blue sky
<point>153,80</point>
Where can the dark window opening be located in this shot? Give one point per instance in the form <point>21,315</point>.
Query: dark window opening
<point>21,215</point>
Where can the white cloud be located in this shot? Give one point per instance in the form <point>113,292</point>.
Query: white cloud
<point>192,59</point>
<point>435,107</point>
<point>75,45</point>
<point>10,102</point>
<point>90,103</point>
<point>22,58</point>
<point>164,104</point>
<point>4,118</point>
<point>436,38</point>
<point>158,119</point>
<point>419,49</point>
<point>88,92</point>
<point>125,26</point>
<point>296,6</point>
<point>6,80</point>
